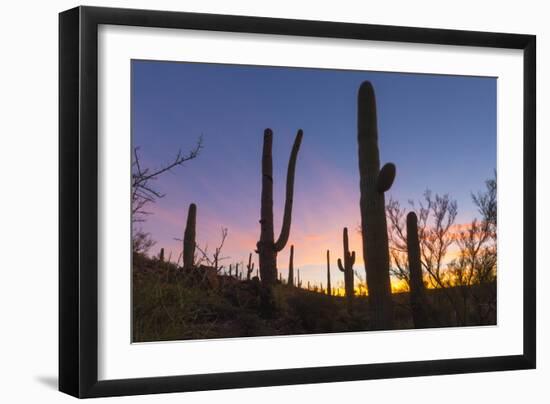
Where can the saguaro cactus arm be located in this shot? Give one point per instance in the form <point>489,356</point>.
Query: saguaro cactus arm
<point>352,258</point>
<point>385,179</point>
<point>287,217</point>
<point>340,266</point>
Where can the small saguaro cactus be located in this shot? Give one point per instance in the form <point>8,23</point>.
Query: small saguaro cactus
<point>267,247</point>
<point>189,238</point>
<point>291,267</point>
<point>299,281</point>
<point>329,289</point>
<point>347,268</point>
<point>374,182</point>
<point>161,255</point>
<point>417,295</point>
<point>249,267</point>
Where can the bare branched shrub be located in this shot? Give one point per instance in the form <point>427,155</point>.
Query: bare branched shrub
<point>143,191</point>
<point>477,259</point>
<point>142,242</point>
<point>213,260</point>
<point>436,216</point>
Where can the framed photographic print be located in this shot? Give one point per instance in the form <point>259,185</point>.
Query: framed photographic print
<point>251,201</point>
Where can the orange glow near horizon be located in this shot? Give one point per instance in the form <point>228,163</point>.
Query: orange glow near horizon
<point>311,239</point>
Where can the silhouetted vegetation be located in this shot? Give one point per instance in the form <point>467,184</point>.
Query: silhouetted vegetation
<point>170,303</point>
<point>196,297</point>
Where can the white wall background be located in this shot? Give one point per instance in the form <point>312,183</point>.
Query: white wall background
<point>28,205</point>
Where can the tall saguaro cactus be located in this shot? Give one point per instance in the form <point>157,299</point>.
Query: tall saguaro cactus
<point>347,268</point>
<point>189,238</point>
<point>417,295</point>
<point>291,267</point>
<point>329,288</point>
<point>267,246</point>
<point>374,182</point>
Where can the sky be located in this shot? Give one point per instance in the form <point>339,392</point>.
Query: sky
<point>439,131</point>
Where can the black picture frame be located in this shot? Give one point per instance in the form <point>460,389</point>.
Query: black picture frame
<point>78,206</point>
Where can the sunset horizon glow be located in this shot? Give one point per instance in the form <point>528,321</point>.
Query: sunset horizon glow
<point>440,131</point>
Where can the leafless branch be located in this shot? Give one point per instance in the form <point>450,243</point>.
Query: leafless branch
<point>143,193</point>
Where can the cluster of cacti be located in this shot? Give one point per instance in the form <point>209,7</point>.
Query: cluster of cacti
<point>267,247</point>
<point>237,274</point>
<point>249,267</point>
<point>347,268</point>
<point>291,267</point>
<point>374,182</point>
<point>189,242</point>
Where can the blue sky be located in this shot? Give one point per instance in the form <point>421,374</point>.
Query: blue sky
<point>440,131</point>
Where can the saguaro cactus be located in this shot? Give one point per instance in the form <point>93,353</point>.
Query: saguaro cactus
<point>267,246</point>
<point>249,267</point>
<point>374,182</point>
<point>347,268</point>
<point>161,255</point>
<point>189,238</point>
<point>417,294</point>
<point>329,289</point>
<point>298,280</point>
<point>291,267</point>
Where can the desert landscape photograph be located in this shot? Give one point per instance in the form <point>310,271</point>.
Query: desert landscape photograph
<point>271,201</point>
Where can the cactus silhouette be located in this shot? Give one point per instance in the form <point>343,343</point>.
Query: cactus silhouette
<point>374,182</point>
<point>161,255</point>
<point>299,281</point>
<point>249,267</point>
<point>291,267</point>
<point>189,238</point>
<point>267,247</point>
<point>329,289</point>
<point>347,268</point>
<point>417,294</point>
